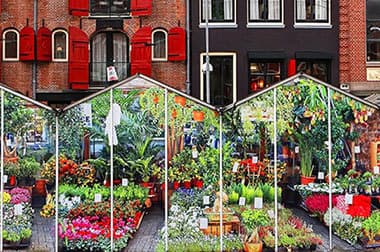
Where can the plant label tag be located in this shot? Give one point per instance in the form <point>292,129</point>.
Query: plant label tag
<point>124,182</point>
<point>258,203</point>
<point>18,209</point>
<point>98,198</point>
<point>357,149</point>
<point>254,159</point>
<point>321,175</point>
<point>376,170</point>
<point>206,200</point>
<point>235,167</point>
<point>271,214</point>
<point>195,154</point>
<point>241,201</point>
<point>5,178</point>
<point>297,149</point>
<point>348,199</point>
<point>203,223</point>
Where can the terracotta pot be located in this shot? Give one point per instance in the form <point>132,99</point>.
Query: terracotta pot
<point>307,180</point>
<point>253,247</point>
<point>12,180</point>
<point>198,116</point>
<point>148,203</point>
<point>180,100</point>
<point>187,184</point>
<point>175,185</point>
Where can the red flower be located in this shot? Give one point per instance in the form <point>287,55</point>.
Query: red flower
<point>361,206</point>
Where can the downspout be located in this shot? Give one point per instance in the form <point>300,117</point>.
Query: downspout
<point>188,81</point>
<point>34,67</point>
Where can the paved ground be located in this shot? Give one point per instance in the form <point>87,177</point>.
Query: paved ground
<point>42,234</point>
<point>147,236</point>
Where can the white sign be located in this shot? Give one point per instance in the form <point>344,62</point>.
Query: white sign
<point>235,167</point>
<point>203,223</point>
<point>297,149</point>
<point>357,149</point>
<point>376,170</point>
<point>348,198</point>
<point>254,159</point>
<point>5,178</point>
<point>18,209</point>
<point>258,203</point>
<point>321,175</point>
<point>206,200</point>
<point>241,201</point>
<point>124,182</point>
<point>195,153</point>
<point>373,74</point>
<point>86,114</point>
<point>98,197</point>
<point>111,74</point>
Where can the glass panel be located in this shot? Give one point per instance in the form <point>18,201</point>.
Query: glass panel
<point>159,49</point>
<point>120,54</point>
<point>314,68</point>
<point>11,45</point>
<point>29,207</point>
<point>99,58</point>
<point>221,10</point>
<point>60,49</point>
<point>263,75</point>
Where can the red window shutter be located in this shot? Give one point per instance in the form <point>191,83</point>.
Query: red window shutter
<point>44,44</point>
<point>78,59</point>
<point>292,67</point>
<point>27,44</point>
<point>141,7</point>
<point>141,52</point>
<point>79,7</point>
<point>177,44</point>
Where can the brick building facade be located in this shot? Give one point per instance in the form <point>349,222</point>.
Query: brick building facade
<point>109,18</point>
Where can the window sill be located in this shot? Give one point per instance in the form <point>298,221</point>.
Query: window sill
<point>159,60</point>
<point>10,60</point>
<point>312,26</point>
<point>109,16</point>
<point>60,60</point>
<point>373,64</point>
<point>218,25</point>
<point>265,25</point>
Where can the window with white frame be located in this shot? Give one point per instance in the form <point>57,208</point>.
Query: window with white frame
<point>373,30</point>
<point>160,42</point>
<point>312,11</point>
<point>59,45</point>
<point>219,11</point>
<point>222,78</point>
<point>265,11</point>
<point>11,39</point>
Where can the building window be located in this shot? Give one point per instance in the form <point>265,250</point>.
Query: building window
<point>263,74</point>
<point>319,69</point>
<point>59,45</point>
<point>313,11</point>
<point>265,10</point>
<point>160,45</point>
<point>109,7</point>
<point>219,11</point>
<point>11,39</point>
<point>108,49</point>
<point>373,30</point>
<point>222,78</point>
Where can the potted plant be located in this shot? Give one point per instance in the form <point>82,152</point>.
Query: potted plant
<point>252,220</point>
<point>12,170</point>
<point>306,153</point>
<point>25,235</point>
<point>28,169</point>
<point>371,228</point>
<point>13,238</point>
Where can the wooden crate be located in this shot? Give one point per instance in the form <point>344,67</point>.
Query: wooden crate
<point>229,226</point>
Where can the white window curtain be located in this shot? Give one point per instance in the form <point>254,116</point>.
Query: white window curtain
<point>204,8</point>
<point>254,9</point>
<point>274,9</point>
<point>321,9</point>
<point>228,9</point>
<point>120,52</point>
<point>99,57</point>
<point>301,9</point>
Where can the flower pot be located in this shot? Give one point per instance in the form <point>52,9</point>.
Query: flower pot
<point>187,184</point>
<point>180,100</point>
<point>253,247</point>
<point>12,180</point>
<point>307,180</point>
<point>148,203</point>
<point>175,185</point>
<point>198,116</point>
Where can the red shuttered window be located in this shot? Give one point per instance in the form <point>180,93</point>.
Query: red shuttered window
<point>44,44</point>
<point>141,51</point>
<point>177,44</point>
<point>27,44</point>
<point>78,7</point>
<point>78,59</point>
<point>141,7</point>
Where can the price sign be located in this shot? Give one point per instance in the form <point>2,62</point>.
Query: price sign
<point>258,203</point>
<point>18,209</point>
<point>124,182</point>
<point>235,167</point>
<point>348,199</point>
<point>357,149</point>
<point>241,201</point>
<point>271,214</point>
<point>5,178</point>
<point>254,159</point>
<point>297,149</point>
<point>203,223</point>
<point>206,200</point>
<point>376,170</point>
<point>195,153</point>
<point>321,175</point>
<point>98,198</point>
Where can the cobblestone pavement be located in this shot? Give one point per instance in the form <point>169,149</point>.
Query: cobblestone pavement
<point>42,234</point>
<point>146,238</point>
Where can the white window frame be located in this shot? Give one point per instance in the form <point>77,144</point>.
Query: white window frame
<point>226,24</point>
<point>166,45</point>
<point>369,63</point>
<point>234,73</point>
<point>313,25</point>
<point>258,24</point>
<point>18,45</point>
<point>53,49</point>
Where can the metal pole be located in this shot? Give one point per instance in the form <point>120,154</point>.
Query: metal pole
<point>275,170</point>
<point>111,176</point>
<point>207,54</point>
<point>221,178</point>
<point>166,171</point>
<point>188,81</point>
<point>56,178</point>
<point>2,169</point>
<point>330,165</point>
<point>34,66</point>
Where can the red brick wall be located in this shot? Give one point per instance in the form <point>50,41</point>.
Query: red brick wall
<point>53,75</point>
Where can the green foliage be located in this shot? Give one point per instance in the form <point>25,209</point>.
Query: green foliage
<point>28,167</point>
<point>253,219</point>
<point>372,224</point>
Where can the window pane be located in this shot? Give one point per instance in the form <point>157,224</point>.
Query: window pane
<point>373,34</point>
<point>312,10</point>
<point>159,50</point>
<point>219,10</point>
<point>99,57</point>
<point>264,10</point>
<point>11,45</point>
<point>99,7</point>
<point>373,7</point>
<point>60,45</point>
<point>120,54</point>
<point>373,51</point>
<point>263,74</point>
<point>318,70</point>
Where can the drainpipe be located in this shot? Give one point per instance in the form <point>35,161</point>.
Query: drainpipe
<point>188,81</point>
<point>34,67</point>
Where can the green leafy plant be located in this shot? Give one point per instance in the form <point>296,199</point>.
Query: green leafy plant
<point>11,169</point>
<point>28,167</point>
<point>252,220</point>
